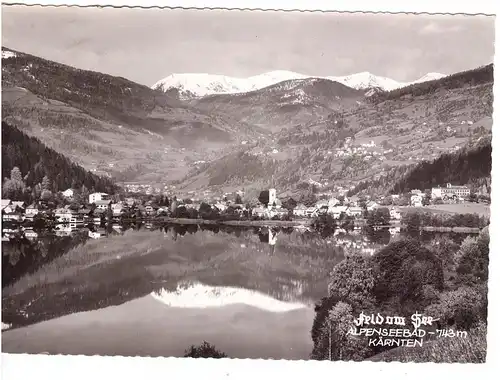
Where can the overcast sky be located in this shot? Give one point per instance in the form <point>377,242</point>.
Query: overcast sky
<point>148,45</point>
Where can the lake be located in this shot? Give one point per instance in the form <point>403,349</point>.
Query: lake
<point>155,291</point>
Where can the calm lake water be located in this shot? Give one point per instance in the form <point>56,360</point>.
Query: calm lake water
<point>157,291</point>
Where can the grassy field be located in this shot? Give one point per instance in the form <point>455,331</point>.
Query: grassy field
<point>471,349</point>
<point>460,208</point>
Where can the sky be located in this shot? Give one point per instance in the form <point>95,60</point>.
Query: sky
<point>146,45</point>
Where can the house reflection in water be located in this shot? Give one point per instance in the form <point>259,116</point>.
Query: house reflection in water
<point>65,229</point>
<point>100,232</point>
<point>273,238</point>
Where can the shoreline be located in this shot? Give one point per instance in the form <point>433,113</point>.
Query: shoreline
<point>266,223</point>
<point>249,223</point>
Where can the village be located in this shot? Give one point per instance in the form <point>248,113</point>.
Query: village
<point>101,206</point>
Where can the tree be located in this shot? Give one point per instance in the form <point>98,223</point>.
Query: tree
<point>289,204</point>
<point>405,266</point>
<point>14,188</point>
<point>173,205</point>
<point>472,198</point>
<point>341,344</point>
<point>264,197</point>
<point>330,332</point>
<point>426,200</point>
<point>362,202</point>
<point>460,309</point>
<point>205,208</point>
<point>445,249</point>
<point>205,350</point>
<point>473,258</point>
<point>16,175</point>
<point>412,221</point>
<point>354,279</point>
<point>308,199</point>
<point>30,156</point>
<point>379,217</point>
<point>180,212</point>
<point>46,195</point>
<point>84,194</point>
<point>109,214</point>
<point>46,184</point>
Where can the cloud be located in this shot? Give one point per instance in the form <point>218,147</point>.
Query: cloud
<point>435,28</point>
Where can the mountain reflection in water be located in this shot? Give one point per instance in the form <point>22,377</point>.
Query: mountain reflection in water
<point>157,291</point>
<point>197,295</point>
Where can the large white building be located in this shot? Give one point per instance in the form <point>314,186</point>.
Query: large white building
<point>449,191</point>
<point>97,197</point>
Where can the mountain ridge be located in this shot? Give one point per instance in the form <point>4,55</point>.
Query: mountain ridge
<point>203,84</point>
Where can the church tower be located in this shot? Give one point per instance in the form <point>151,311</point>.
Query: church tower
<point>272,197</point>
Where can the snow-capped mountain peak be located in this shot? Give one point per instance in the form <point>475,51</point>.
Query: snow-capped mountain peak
<point>429,76</point>
<point>366,80</point>
<point>199,85</point>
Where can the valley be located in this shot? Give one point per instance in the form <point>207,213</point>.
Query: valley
<point>290,134</point>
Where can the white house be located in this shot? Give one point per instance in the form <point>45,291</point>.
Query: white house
<point>18,204</point>
<point>260,212</point>
<point>300,210</point>
<point>416,200</point>
<point>5,203</point>
<point>395,230</point>
<point>311,212</point>
<point>436,193</point>
<point>221,206</point>
<point>12,216</point>
<point>31,211</point>
<point>130,202</point>
<point>117,209</point>
<point>337,210</point>
<point>30,234</point>
<point>354,211</point>
<point>64,215</point>
<point>395,214</point>
<point>277,212</point>
<point>332,202</point>
<point>69,193</point>
<point>96,234</point>
<point>94,197</point>
<point>370,206</point>
<point>102,204</point>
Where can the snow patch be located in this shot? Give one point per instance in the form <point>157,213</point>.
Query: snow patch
<point>6,54</point>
